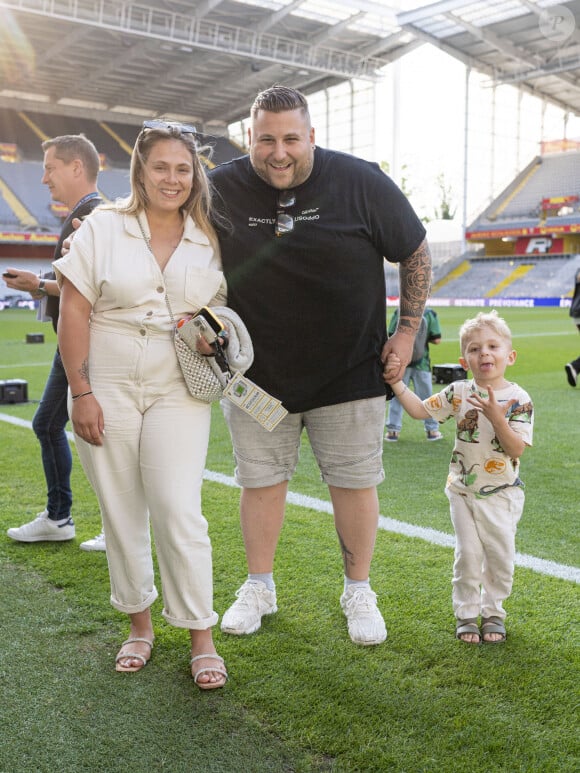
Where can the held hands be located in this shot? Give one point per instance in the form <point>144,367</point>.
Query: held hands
<point>66,245</point>
<point>87,419</point>
<point>391,368</point>
<point>396,355</point>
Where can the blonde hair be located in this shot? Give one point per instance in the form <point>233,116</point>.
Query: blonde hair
<point>198,204</point>
<point>484,319</point>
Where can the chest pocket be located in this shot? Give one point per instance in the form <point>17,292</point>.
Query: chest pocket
<point>201,284</point>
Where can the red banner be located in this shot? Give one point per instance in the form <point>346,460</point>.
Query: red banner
<point>573,228</point>
<point>15,237</point>
<point>557,201</point>
<point>539,245</point>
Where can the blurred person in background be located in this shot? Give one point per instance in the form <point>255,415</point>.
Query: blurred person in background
<point>418,371</point>
<point>71,168</point>
<point>573,368</point>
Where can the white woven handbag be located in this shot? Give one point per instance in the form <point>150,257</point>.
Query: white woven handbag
<point>201,381</point>
<point>200,378</point>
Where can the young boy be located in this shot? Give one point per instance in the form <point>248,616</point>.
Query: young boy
<point>494,424</point>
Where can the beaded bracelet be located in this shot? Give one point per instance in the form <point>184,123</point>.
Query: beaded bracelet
<point>82,394</point>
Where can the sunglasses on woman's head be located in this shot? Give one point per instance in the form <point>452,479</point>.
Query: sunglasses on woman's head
<point>171,126</point>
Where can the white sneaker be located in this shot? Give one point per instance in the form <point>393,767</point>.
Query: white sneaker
<point>96,543</point>
<point>42,529</point>
<point>365,622</point>
<point>245,615</point>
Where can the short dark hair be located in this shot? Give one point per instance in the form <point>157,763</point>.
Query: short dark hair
<point>278,99</point>
<point>69,147</point>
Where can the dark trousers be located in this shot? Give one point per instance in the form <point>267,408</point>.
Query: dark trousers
<point>49,424</point>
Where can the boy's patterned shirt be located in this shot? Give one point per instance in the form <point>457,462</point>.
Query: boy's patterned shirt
<point>478,462</point>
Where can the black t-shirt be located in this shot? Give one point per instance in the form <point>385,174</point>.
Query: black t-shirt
<point>314,299</point>
<point>80,211</point>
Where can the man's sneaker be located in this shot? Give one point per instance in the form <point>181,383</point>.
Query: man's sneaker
<point>42,529</point>
<point>365,622</point>
<point>96,543</point>
<point>245,615</point>
<point>434,434</point>
<point>391,436</point>
<point>571,374</point>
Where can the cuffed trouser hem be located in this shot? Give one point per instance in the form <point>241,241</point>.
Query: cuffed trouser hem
<point>192,625</point>
<point>133,609</point>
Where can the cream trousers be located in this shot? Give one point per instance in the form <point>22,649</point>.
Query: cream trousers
<point>483,570</point>
<point>149,472</point>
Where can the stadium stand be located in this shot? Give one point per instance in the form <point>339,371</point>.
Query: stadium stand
<point>29,221</point>
<point>525,244</point>
<point>114,183</point>
<point>23,181</point>
<point>7,215</point>
<point>539,212</point>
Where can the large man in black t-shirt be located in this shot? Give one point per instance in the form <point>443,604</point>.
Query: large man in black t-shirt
<point>71,168</point>
<point>303,234</point>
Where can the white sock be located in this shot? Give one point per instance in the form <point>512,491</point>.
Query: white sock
<point>267,578</point>
<point>348,583</point>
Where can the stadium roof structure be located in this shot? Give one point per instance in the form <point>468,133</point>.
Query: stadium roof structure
<point>204,60</point>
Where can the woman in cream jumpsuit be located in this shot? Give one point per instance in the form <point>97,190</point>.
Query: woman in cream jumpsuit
<point>141,437</point>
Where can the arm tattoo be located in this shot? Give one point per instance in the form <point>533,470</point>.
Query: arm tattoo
<point>84,371</point>
<point>415,283</point>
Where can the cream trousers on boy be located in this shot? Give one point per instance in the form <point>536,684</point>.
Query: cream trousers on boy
<point>149,470</point>
<point>485,532</point>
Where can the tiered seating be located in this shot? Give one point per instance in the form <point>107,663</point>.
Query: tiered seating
<point>114,183</point>
<point>559,175</point>
<point>548,277</point>
<point>551,277</point>
<point>7,216</point>
<point>14,129</point>
<point>520,205</point>
<point>114,141</point>
<point>24,180</point>
<point>482,277</point>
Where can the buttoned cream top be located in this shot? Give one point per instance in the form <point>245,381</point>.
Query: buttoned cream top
<point>110,264</point>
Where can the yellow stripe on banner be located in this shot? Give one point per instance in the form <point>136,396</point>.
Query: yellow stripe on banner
<point>516,274</point>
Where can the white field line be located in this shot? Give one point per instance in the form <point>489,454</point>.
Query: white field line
<point>547,334</point>
<point>432,536</point>
<point>28,365</point>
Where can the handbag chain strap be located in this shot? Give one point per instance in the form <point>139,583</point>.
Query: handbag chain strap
<point>219,352</point>
<point>147,241</point>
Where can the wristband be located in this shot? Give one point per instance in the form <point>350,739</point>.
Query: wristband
<point>81,394</point>
<point>402,392</point>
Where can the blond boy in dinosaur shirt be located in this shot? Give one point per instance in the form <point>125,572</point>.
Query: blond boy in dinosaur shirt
<point>494,424</point>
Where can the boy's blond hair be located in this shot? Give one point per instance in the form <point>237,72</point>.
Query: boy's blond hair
<point>484,319</point>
